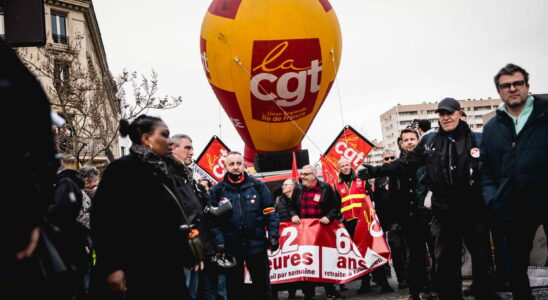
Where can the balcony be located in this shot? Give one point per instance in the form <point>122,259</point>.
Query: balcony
<point>59,39</point>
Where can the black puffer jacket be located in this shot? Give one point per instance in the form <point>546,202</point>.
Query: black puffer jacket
<point>515,167</point>
<point>454,189</point>
<point>281,204</point>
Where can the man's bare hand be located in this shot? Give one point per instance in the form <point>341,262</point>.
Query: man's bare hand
<point>324,220</point>
<point>117,282</point>
<point>33,242</point>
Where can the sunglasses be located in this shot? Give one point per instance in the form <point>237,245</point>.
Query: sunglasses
<point>389,158</point>
<point>516,84</point>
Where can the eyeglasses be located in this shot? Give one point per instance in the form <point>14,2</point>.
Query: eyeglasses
<point>306,174</point>
<point>516,84</point>
<point>287,184</point>
<point>389,158</point>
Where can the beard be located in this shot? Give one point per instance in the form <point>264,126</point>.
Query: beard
<point>235,177</point>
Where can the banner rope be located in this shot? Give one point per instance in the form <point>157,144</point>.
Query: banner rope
<point>237,60</point>
<point>332,52</point>
<point>220,115</point>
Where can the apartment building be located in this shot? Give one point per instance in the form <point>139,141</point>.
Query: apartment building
<point>72,60</point>
<point>401,116</point>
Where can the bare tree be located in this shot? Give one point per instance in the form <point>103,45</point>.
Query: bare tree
<point>91,103</point>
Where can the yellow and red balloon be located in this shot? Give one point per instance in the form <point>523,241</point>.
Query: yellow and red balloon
<point>270,62</point>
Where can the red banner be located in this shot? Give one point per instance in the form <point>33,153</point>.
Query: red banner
<point>350,145</point>
<point>311,251</point>
<point>212,159</point>
<point>369,236</point>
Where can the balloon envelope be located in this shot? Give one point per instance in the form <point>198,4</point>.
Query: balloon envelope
<point>271,64</point>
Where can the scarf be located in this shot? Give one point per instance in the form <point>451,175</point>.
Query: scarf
<point>150,157</point>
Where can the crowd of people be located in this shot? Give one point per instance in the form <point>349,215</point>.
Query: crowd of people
<point>148,228</point>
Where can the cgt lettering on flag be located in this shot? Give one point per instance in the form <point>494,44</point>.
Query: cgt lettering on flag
<point>213,158</point>
<point>349,144</point>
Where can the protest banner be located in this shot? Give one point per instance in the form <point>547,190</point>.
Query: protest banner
<point>311,251</point>
<point>212,159</point>
<point>350,145</point>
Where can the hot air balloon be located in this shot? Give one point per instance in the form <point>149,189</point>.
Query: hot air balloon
<point>271,64</point>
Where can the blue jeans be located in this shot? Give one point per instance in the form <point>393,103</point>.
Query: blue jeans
<point>191,282</point>
<point>212,285</point>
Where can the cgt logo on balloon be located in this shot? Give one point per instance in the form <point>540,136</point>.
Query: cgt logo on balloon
<point>285,73</point>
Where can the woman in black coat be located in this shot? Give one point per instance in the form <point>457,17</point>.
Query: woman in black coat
<point>136,218</point>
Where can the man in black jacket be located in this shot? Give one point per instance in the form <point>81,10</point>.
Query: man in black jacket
<point>514,164</point>
<point>407,230</point>
<point>242,232</point>
<point>459,213</point>
<point>183,150</point>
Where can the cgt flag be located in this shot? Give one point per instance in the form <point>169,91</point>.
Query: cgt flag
<point>350,145</point>
<point>294,169</point>
<point>329,171</point>
<point>369,236</point>
<point>212,159</point>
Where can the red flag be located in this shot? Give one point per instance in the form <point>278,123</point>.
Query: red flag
<point>350,145</point>
<point>213,158</point>
<point>369,236</point>
<point>294,170</point>
<point>329,171</point>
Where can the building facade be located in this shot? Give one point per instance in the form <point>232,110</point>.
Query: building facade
<point>374,157</point>
<point>72,67</point>
<point>402,116</point>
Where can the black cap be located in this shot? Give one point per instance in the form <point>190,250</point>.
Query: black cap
<point>448,104</point>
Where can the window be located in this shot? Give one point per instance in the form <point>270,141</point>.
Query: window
<point>59,28</point>
<point>2,29</point>
<point>478,108</point>
<point>407,113</point>
<point>61,73</point>
<point>432,111</point>
<point>405,122</point>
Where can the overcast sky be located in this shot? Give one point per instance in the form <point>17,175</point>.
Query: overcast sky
<point>394,51</point>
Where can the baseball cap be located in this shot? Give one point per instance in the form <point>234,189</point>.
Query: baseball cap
<point>448,104</point>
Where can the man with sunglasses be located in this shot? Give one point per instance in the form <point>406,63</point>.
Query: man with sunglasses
<point>451,159</point>
<point>514,165</point>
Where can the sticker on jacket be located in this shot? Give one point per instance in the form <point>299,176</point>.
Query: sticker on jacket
<point>475,152</point>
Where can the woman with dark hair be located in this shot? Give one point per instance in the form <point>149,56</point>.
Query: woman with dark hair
<point>142,220</point>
